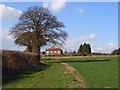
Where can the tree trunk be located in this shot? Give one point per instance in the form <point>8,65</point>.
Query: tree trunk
<point>38,56</point>
<point>36,50</point>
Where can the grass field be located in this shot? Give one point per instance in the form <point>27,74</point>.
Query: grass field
<point>54,76</point>
<point>97,72</point>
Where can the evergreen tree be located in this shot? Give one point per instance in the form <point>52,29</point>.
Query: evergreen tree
<point>84,49</point>
<point>88,49</point>
<point>80,49</point>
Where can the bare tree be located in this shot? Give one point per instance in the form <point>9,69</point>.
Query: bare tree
<point>38,27</point>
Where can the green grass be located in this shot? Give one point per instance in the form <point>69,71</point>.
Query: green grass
<point>98,74</point>
<point>55,76</point>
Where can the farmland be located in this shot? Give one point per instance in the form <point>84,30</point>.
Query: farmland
<point>54,76</point>
<point>62,44</point>
<point>97,72</point>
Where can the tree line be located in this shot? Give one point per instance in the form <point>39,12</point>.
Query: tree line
<point>116,52</point>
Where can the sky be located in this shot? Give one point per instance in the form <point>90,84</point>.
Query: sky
<point>91,22</point>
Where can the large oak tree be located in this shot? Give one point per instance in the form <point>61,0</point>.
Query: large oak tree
<point>38,27</point>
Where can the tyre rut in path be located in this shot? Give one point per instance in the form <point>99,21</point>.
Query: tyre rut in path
<point>78,77</point>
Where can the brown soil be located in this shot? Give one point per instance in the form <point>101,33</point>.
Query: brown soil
<point>78,77</point>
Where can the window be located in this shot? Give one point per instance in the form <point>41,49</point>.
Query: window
<point>51,51</point>
<point>47,52</point>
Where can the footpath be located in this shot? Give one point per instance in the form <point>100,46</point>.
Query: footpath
<point>78,77</point>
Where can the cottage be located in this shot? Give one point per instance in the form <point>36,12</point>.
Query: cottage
<point>54,51</point>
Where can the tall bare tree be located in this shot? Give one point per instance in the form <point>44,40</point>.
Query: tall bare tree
<point>38,27</point>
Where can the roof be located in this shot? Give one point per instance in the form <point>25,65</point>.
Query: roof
<point>53,49</point>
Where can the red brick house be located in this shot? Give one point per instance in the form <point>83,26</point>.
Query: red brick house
<point>54,51</point>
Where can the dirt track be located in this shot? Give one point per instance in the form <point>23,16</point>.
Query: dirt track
<point>78,77</point>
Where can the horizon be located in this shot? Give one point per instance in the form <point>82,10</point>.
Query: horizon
<point>95,23</point>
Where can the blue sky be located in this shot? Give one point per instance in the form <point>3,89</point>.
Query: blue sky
<point>92,22</point>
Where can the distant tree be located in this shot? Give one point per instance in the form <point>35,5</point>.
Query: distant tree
<point>88,49</point>
<point>80,49</point>
<point>65,52</point>
<point>116,52</point>
<point>84,49</point>
<point>74,51</point>
<point>38,27</point>
<point>43,52</point>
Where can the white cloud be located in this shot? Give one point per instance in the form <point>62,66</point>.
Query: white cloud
<point>92,36</point>
<point>55,6</point>
<point>7,41</point>
<point>45,4</point>
<point>73,44</point>
<point>106,48</point>
<point>80,10</point>
<point>9,13</point>
<point>87,37</point>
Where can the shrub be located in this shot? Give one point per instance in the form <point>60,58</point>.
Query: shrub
<point>17,61</point>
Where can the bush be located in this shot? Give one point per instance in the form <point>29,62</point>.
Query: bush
<point>17,61</point>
